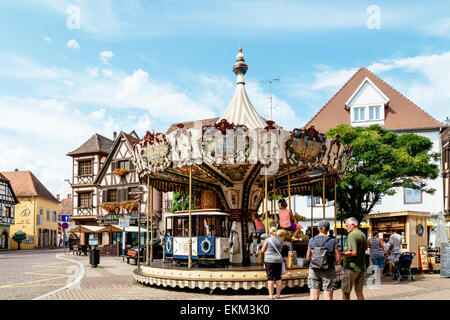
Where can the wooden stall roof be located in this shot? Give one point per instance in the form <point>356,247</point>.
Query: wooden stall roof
<point>397,214</point>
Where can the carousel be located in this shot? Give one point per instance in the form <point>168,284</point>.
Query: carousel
<point>230,167</point>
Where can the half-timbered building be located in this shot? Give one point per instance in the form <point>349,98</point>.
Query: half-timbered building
<point>87,162</point>
<point>8,201</point>
<point>120,192</point>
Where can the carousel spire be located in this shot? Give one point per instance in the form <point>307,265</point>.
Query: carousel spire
<point>240,110</point>
<point>240,68</point>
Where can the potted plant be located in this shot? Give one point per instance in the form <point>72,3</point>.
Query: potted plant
<point>110,206</point>
<point>129,204</point>
<point>120,172</point>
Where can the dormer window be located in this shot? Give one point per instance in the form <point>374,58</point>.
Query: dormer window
<point>367,104</point>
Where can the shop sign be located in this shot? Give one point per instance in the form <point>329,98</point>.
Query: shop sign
<point>445,259</point>
<point>93,240</point>
<point>423,255</point>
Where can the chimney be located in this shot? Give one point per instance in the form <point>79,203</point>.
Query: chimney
<point>114,135</point>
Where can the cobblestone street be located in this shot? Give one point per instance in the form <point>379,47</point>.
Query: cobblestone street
<point>113,281</point>
<point>34,274</point>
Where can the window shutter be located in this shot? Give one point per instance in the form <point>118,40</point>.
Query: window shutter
<point>104,196</point>
<point>131,165</point>
<point>113,165</point>
<point>125,193</point>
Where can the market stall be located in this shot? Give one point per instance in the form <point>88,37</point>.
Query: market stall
<point>411,225</point>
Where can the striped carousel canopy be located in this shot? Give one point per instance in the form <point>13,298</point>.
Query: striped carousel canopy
<point>240,111</point>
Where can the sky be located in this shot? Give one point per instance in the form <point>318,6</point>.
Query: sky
<point>69,69</point>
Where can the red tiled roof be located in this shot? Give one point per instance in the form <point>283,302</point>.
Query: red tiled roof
<point>25,184</point>
<point>400,113</point>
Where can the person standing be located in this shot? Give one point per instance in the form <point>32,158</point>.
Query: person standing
<point>354,260</point>
<point>319,275</point>
<point>273,261</point>
<point>376,250</point>
<point>395,241</point>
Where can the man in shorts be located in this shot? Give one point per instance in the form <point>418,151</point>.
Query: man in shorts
<point>354,271</point>
<point>323,278</point>
<point>395,241</point>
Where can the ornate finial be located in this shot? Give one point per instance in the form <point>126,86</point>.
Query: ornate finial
<point>240,68</point>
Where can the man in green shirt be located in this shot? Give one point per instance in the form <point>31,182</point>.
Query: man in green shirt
<point>354,260</point>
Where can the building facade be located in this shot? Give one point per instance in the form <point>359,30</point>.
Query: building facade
<point>36,214</point>
<point>8,201</point>
<point>363,101</point>
<point>121,194</point>
<point>87,162</point>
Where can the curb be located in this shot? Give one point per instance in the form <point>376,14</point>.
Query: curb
<point>77,280</point>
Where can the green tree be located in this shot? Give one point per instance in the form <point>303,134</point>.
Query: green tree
<point>180,202</point>
<point>382,161</point>
<point>19,236</point>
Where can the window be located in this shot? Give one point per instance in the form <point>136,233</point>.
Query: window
<point>40,216</point>
<point>48,215</point>
<point>111,195</point>
<point>8,212</point>
<point>54,216</point>
<point>123,164</point>
<point>359,114</point>
<point>85,200</point>
<point>58,197</point>
<point>413,195</point>
<point>69,196</point>
<point>318,201</point>
<point>374,113</point>
<point>85,168</point>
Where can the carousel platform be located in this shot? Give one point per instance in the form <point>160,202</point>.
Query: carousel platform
<point>224,277</point>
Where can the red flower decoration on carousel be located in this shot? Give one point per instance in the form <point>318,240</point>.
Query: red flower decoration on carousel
<point>120,172</point>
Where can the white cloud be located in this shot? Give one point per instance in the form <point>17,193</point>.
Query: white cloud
<point>47,39</point>
<point>93,72</point>
<point>107,73</point>
<point>73,44</point>
<point>105,56</point>
<point>98,115</point>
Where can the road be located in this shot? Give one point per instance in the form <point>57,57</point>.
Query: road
<point>28,274</point>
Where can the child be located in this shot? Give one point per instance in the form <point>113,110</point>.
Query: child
<point>287,220</point>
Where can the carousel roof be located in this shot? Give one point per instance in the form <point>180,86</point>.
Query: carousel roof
<point>236,152</point>
<point>240,111</point>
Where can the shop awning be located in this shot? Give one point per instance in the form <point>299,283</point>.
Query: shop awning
<point>112,228</point>
<point>129,229</point>
<point>87,229</point>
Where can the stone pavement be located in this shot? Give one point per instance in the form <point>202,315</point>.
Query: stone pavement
<point>113,281</point>
<point>27,274</point>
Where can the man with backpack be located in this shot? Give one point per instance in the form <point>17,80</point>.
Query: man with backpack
<point>322,254</point>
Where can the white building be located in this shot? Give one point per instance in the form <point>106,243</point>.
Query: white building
<point>366,100</point>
